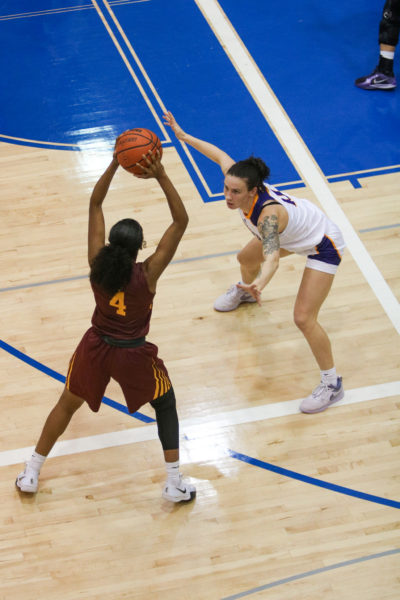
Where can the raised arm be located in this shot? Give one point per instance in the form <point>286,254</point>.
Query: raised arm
<point>155,264</point>
<point>96,230</point>
<point>209,150</point>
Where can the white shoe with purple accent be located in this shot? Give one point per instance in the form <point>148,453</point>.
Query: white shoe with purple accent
<point>322,397</point>
<point>232,298</point>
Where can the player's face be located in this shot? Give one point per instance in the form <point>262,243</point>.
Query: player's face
<point>236,193</point>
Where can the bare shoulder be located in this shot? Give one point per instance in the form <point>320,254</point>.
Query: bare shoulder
<point>273,217</point>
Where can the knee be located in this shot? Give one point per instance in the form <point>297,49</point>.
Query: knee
<point>69,403</point>
<point>240,258</point>
<point>246,260</point>
<point>303,320</point>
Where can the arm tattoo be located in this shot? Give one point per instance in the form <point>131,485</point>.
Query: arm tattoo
<point>268,229</point>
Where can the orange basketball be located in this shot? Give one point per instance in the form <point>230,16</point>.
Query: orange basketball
<point>131,146</point>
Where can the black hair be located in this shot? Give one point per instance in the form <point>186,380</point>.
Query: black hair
<point>111,269</point>
<point>253,170</point>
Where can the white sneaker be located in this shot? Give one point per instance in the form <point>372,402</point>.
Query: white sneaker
<point>183,492</point>
<point>27,481</point>
<point>232,298</point>
<point>322,397</point>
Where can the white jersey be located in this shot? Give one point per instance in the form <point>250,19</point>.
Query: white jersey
<point>306,226</point>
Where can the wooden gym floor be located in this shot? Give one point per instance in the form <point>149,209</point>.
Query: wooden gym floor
<point>288,505</point>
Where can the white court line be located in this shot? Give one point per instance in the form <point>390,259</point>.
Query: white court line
<point>155,93</point>
<point>128,66</point>
<point>199,426</point>
<point>149,83</point>
<point>297,150</point>
<point>18,139</point>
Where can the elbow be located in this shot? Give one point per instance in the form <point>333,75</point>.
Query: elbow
<point>182,223</point>
<point>185,222</point>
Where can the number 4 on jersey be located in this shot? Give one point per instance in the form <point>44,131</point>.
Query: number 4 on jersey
<point>118,301</point>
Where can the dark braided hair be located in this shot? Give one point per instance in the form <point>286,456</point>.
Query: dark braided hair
<point>253,170</point>
<point>111,269</point>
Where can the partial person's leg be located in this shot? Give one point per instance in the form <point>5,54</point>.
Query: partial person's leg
<point>250,259</point>
<point>313,290</point>
<point>176,489</point>
<point>55,425</point>
<point>383,77</point>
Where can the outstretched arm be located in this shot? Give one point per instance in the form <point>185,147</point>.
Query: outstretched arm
<point>268,226</point>
<point>155,264</point>
<point>209,150</point>
<point>96,232</point>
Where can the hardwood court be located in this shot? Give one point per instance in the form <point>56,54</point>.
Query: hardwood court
<point>98,527</point>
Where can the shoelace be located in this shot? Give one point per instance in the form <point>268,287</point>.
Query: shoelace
<point>320,389</point>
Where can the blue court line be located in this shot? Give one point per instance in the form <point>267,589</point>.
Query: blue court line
<point>353,177</point>
<point>174,262</point>
<point>51,282</point>
<point>244,458</point>
<point>340,565</point>
<point>47,371</point>
<point>39,283</point>
<point>379,228</point>
<point>311,480</point>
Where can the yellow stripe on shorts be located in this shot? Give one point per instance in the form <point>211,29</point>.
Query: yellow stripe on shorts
<point>163,383</point>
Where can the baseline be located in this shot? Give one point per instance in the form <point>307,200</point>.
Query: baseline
<point>340,565</point>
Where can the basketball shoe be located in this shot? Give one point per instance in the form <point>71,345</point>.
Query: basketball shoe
<point>377,81</point>
<point>322,397</point>
<point>232,298</point>
<point>182,491</point>
<point>27,481</point>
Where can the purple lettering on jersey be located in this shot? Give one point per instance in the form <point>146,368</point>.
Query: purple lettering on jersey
<point>284,197</point>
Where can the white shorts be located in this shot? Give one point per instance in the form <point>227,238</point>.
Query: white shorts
<point>328,253</point>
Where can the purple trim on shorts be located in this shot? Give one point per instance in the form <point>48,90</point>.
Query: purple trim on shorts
<point>326,252</point>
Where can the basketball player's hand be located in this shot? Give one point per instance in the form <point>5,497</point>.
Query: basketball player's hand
<point>153,168</point>
<point>253,289</point>
<point>169,119</point>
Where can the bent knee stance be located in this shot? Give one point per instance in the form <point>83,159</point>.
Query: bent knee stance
<point>303,320</point>
<point>167,420</point>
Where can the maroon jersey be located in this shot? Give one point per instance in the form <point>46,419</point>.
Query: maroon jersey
<point>141,374</point>
<point>126,315</point>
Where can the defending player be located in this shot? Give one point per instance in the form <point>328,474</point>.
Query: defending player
<point>115,345</point>
<point>281,225</point>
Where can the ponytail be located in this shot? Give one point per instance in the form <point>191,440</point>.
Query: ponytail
<point>253,170</point>
<point>112,267</point>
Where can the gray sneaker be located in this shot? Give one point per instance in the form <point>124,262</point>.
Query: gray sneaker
<point>322,397</point>
<point>232,298</point>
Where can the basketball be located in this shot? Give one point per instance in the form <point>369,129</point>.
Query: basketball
<point>132,144</point>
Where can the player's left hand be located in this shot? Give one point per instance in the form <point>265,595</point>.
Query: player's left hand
<point>253,289</point>
<point>153,169</point>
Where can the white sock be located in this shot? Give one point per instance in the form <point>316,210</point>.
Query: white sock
<point>36,461</point>
<point>329,376</point>
<point>172,472</point>
<point>387,54</point>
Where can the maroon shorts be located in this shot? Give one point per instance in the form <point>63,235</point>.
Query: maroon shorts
<point>140,373</point>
